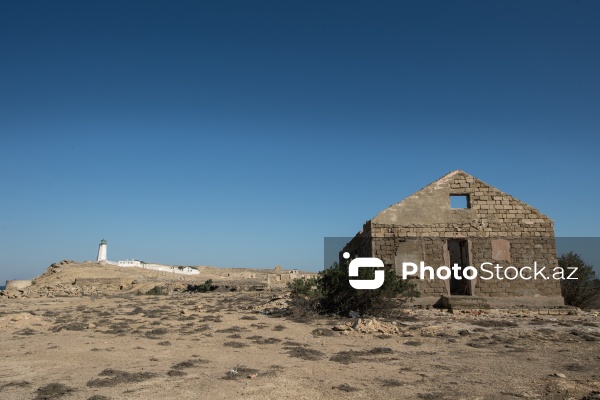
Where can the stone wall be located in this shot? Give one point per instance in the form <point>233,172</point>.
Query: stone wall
<point>17,284</point>
<point>497,227</point>
<point>281,279</point>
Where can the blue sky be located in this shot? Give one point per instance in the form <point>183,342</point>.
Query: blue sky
<point>239,134</point>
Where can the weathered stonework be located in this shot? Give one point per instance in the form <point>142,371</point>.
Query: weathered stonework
<point>494,227</point>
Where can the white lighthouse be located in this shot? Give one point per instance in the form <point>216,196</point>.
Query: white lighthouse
<point>102,251</point>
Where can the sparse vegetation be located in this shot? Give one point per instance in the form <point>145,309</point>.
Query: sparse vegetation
<point>19,384</point>
<point>387,368</point>
<point>116,377</point>
<point>240,372</point>
<point>344,387</point>
<point>157,291</point>
<point>52,391</point>
<point>207,286</point>
<point>352,356</point>
<point>189,363</point>
<point>267,341</point>
<point>305,353</point>
<point>234,344</point>
<point>331,292</point>
<point>583,292</point>
<point>154,333</point>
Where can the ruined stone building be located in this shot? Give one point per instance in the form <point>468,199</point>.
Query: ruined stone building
<point>460,219</point>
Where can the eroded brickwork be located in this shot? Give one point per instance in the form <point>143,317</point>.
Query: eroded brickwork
<point>495,225</point>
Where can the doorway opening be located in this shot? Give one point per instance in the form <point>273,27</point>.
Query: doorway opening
<point>458,250</point>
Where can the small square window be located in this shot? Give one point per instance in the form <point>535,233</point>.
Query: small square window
<point>460,201</point>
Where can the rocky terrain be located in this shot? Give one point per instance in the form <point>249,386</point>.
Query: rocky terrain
<point>92,331</point>
<point>229,345</point>
<point>71,278</point>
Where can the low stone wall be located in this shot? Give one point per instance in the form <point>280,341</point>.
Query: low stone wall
<point>17,284</point>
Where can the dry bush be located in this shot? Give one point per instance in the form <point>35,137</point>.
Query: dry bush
<point>344,387</point>
<point>239,372</point>
<point>391,383</point>
<point>26,332</point>
<point>267,341</point>
<point>210,318</point>
<point>52,391</point>
<point>236,345</point>
<point>305,353</point>
<point>189,363</point>
<point>345,357</point>
<point>19,384</point>
<point>71,326</point>
<point>116,377</point>
<point>120,329</point>
<point>155,333</point>
<point>233,329</point>
<point>261,325</point>
<point>351,356</point>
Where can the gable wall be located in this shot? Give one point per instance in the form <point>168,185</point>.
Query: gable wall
<point>426,220</point>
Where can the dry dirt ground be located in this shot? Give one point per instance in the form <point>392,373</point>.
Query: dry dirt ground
<point>217,346</point>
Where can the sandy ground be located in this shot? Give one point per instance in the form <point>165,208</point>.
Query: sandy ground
<point>216,346</point>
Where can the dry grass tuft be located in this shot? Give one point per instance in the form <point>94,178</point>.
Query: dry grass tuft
<point>52,391</point>
<point>116,377</point>
<point>305,353</point>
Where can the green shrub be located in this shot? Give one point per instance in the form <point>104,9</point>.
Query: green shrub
<point>207,286</point>
<point>331,292</point>
<point>584,292</point>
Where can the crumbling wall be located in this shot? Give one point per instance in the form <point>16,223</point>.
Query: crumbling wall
<point>499,228</point>
<point>17,284</point>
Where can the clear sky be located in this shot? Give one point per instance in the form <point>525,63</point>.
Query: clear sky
<point>241,133</point>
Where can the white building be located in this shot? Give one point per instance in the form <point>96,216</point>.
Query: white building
<point>130,263</point>
<point>102,251</point>
<point>140,264</point>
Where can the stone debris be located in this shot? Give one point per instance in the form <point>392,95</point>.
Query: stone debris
<point>274,306</point>
<point>368,326</point>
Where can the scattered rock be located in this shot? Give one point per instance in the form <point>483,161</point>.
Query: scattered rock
<point>373,326</point>
<point>341,328</point>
